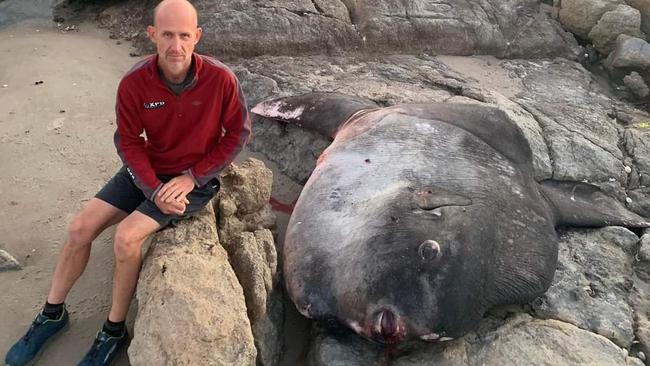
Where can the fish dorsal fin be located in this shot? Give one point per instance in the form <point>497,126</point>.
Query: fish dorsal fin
<point>323,113</point>
<point>490,124</point>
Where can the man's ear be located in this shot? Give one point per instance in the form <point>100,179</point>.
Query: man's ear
<point>151,31</point>
<point>199,32</point>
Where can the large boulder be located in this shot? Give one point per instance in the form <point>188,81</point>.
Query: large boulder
<point>580,16</point>
<point>622,20</point>
<point>643,6</point>
<point>630,54</point>
<point>235,28</point>
<point>191,308</point>
<point>244,221</point>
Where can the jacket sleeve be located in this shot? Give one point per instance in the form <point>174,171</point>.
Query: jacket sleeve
<point>130,144</point>
<point>237,130</point>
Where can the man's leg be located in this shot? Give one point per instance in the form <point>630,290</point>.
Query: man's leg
<point>129,236</point>
<point>84,228</point>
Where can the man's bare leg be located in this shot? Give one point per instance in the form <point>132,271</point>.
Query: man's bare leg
<point>129,236</point>
<point>84,228</point>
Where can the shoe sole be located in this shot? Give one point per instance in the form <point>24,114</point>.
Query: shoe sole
<point>47,343</point>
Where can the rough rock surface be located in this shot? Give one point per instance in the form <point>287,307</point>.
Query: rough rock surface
<point>186,280</point>
<point>8,262</point>
<point>580,16</point>
<point>235,28</point>
<point>244,221</point>
<point>622,20</point>
<point>643,6</point>
<point>636,84</point>
<point>630,54</point>
<point>515,341</point>
<point>592,283</point>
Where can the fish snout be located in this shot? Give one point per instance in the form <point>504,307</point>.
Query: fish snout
<point>387,327</point>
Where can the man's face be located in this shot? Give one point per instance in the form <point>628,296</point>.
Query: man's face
<point>175,35</point>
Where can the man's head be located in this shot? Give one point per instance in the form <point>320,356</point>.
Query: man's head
<point>175,32</point>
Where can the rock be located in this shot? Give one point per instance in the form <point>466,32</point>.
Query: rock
<point>643,6</point>
<point>235,28</point>
<point>640,201</point>
<point>504,29</point>
<point>582,139</point>
<point>8,262</point>
<point>642,265</point>
<point>191,308</point>
<point>636,84</point>
<point>622,20</point>
<point>592,283</point>
<point>639,302</point>
<point>248,185</point>
<point>244,219</point>
<point>630,54</point>
<point>519,340</point>
<point>580,16</point>
<point>637,145</point>
<point>346,349</point>
<point>256,87</point>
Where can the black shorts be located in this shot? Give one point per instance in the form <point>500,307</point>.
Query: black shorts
<point>122,193</point>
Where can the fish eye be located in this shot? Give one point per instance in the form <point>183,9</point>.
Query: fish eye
<point>429,249</point>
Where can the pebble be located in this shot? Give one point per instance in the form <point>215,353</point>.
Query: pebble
<point>641,356</point>
<point>628,170</point>
<point>628,200</point>
<point>5,85</point>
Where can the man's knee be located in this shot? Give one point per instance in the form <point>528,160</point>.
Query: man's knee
<point>127,243</point>
<point>80,232</point>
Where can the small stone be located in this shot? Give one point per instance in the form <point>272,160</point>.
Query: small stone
<point>5,85</point>
<point>641,356</point>
<point>628,170</point>
<point>13,203</point>
<point>628,200</point>
<point>7,262</point>
<point>62,111</point>
<point>134,54</point>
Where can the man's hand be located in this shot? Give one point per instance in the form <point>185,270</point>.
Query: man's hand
<point>172,207</point>
<point>176,190</point>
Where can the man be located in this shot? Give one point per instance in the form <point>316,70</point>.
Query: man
<point>192,111</point>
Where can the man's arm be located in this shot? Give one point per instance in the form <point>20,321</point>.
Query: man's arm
<point>237,126</point>
<point>130,144</point>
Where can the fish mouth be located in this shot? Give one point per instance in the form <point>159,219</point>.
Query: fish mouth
<point>386,327</point>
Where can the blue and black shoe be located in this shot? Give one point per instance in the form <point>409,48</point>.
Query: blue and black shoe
<point>29,347</point>
<point>104,349</point>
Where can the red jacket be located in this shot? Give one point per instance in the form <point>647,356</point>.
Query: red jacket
<point>198,132</point>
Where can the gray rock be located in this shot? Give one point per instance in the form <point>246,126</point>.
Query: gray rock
<point>639,302</point>
<point>343,350</point>
<point>622,20</point>
<point>580,16</point>
<point>191,308</point>
<point>637,145</point>
<point>636,84</point>
<point>582,139</point>
<point>8,262</point>
<point>643,6</point>
<point>639,201</point>
<point>592,283</point>
<point>236,28</point>
<point>504,28</point>
<point>256,87</point>
<point>520,340</point>
<point>630,54</point>
<point>642,265</point>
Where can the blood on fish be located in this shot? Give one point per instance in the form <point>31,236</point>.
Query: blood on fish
<point>278,206</point>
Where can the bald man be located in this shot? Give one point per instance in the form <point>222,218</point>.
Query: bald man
<point>192,111</point>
